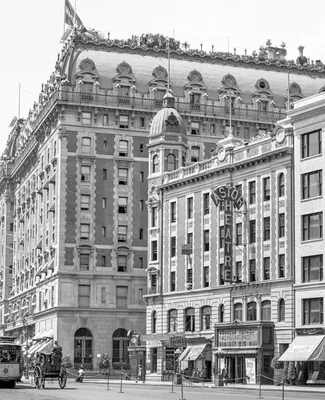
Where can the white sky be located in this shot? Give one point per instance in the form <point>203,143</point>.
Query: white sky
<point>31,31</point>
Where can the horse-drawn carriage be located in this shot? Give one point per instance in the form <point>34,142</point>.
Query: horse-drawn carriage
<point>49,367</point>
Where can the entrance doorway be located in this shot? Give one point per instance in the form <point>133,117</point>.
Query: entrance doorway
<point>83,343</point>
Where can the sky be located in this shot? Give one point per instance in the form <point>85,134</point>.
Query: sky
<point>31,31</point>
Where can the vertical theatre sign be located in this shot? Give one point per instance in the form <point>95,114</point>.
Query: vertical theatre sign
<point>230,197</point>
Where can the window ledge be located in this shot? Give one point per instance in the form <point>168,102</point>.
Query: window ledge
<point>311,241</point>
<point>311,198</point>
<point>311,157</point>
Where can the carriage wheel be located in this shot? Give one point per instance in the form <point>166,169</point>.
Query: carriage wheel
<point>37,377</point>
<point>62,377</point>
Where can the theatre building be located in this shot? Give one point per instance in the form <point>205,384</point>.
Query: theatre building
<point>307,351</point>
<point>220,245</point>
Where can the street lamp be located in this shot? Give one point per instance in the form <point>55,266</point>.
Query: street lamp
<point>98,357</point>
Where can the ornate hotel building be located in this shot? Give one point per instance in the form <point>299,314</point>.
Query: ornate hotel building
<point>73,183</point>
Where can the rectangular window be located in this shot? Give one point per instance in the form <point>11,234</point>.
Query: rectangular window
<point>123,148</point>
<point>281,225</point>
<point>103,294</point>
<point>84,231</point>
<point>105,119</point>
<point>141,176</point>
<point>221,272</point>
<point>312,226</point>
<point>252,192</point>
<point>142,122</point>
<point>311,184</point>
<point>195,128</point>
<point>311,144</point>
<point>85,202</point>
<point>206,275</point>
<point>154,217</point>
<point>173,212</point>
<point>121,263</point>
<point>154,250</point>
<point>266,189</point>
<point>312,268</point>
<point>122,176</point>
<point>85,173</point>
<point>267,228</point>
<point>221,237</point>
<point>104,202</point>
<point>140,262</point>
<point>212,129</point>
<point>252,270</point>
<point>266,268</point>
<point>124,121</point>
<point>252,231</point>
<point>239,189</point>
<point>122,205</point>
<point>190,208</point>
<point>172,281</point>
<point>140,233</point>
<point>121,296</point>
<point>313,311</point>
<point>190,238</point>
<point>104,231</point>
<point>103,264</point>
<point>122,231</point>
<point>238,276</point>
<point>195,154</point>
<point>239,234</point>
<point>246,132</point>
<point>85,145</point>
<point>86,118</point>
<point>281,266</point>
<point>104,174</point>
<point>84,261</point>
<point>84,296</point>
<point>141,205</point>
<point>206,203</point>
<point>206,240</point>
<point>173,246</point>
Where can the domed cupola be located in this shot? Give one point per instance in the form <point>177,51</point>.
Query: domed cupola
<point>167,119</point>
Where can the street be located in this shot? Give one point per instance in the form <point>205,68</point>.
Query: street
<point>91,391</point>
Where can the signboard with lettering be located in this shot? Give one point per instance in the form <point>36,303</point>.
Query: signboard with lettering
<point>177,341</point>
<point>160,336</point>
<point>310,331</point>
<point>227,193</point>
<point>238,337</point>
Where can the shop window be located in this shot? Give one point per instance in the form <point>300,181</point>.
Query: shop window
<point>266,189</point>
<point>266,310</point>
<point>153,322</point>
<point>172,321</point>
<point>206,203</point>
<point>281,266</point>
<point>206,318</point>
<point>281,187</point>
<point>311,184</point>
<point>252,192</point>
<point>171,162</point>
<point>155,164</point>
<point>190,208</point>
<point>312,268</point>
<point>251,311</point>
<point>311,144</point>
<point>238,312</point>
<point>120,345</point>
<point>83,343</point>
<point>190,320</point>
<point>313,311</point>
<point>281,311</point>
<point>312,226</point>
<point>221,313</point>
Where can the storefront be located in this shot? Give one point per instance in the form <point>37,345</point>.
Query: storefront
<point>243,352</point>
<point>306,356</point>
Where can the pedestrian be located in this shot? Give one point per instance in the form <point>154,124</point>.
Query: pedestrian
<point>139,377</point>
<point>81,374</point>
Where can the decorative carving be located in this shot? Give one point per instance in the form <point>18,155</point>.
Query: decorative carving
<point>124,68</point>
<point>172,120</point>
<point>229,80</point>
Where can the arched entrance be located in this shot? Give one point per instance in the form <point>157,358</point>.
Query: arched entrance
<point>83,345</point>
<point>120,346</point>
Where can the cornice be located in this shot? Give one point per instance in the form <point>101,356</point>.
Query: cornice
<point>307,114</point>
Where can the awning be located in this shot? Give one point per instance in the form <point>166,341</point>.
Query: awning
<point>185,353</point>
<point>195,352</point>
<point>304,348</point>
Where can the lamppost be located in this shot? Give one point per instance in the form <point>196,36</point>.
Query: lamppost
<point>25,332</point>
<point>98,358</point>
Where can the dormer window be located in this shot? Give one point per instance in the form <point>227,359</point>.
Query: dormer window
<point>195,99</point>
<point>262,105</point>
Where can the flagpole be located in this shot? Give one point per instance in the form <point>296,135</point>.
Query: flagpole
<point>75,12</point>
<point>63,18</point>
<point>288,105</point>
<point>19,102</point>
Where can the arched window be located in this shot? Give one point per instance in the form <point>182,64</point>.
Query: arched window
<point>172,321</point>
<point>221,313</point>
<point>85,145</point>
<point>281,184</point>
<point>251,311</point>
<point>155,164</point>
<point>83,346</point>
<point>266,310</point>
<point>281,312</point>
<point>238,311</point>
<point>120,346</point>
<point>171,162</point>
<point>153,322</point>
<point>206,317</point>
<point>190,320</point>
